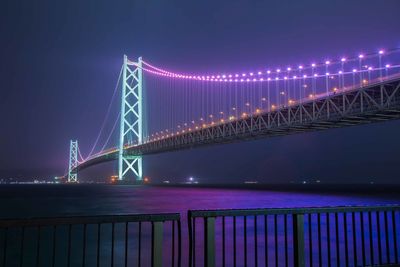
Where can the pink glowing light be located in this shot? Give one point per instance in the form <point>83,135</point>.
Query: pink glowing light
<point>223,77</point>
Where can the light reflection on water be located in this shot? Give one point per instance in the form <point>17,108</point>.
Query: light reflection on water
<point>57,200</point>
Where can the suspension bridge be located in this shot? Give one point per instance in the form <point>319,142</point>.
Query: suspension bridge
<point>163,110</point>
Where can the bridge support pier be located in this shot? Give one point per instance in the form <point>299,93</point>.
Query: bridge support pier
<point>73,162</point>
<point>131,127</point>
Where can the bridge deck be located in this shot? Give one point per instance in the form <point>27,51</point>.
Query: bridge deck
<point>373,103</point>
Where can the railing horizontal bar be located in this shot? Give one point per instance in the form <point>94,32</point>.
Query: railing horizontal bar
<point>278,211</point>
<point>89,220</point>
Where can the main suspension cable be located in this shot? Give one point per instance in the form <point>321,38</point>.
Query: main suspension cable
<point>106,117</point>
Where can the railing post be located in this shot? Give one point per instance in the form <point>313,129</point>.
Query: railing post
<point>209,242</point>
<point>156,244</point>
<point>298,239</point>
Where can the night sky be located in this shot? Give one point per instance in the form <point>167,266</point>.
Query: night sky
<point>60,61</point>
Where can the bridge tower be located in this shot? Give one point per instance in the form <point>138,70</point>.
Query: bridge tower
<point>73,162</point>
<point>131,126</point>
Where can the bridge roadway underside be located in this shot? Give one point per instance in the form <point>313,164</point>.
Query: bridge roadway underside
<point>373,103</point>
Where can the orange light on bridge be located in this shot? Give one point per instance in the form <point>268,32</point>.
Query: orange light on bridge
<point>146,180</point>
<point>113,178</point>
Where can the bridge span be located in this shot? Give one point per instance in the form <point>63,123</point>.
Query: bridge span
<point>371,103</point>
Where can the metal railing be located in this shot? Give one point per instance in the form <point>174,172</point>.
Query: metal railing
<point>92,241</point>
<point>333,236</point>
